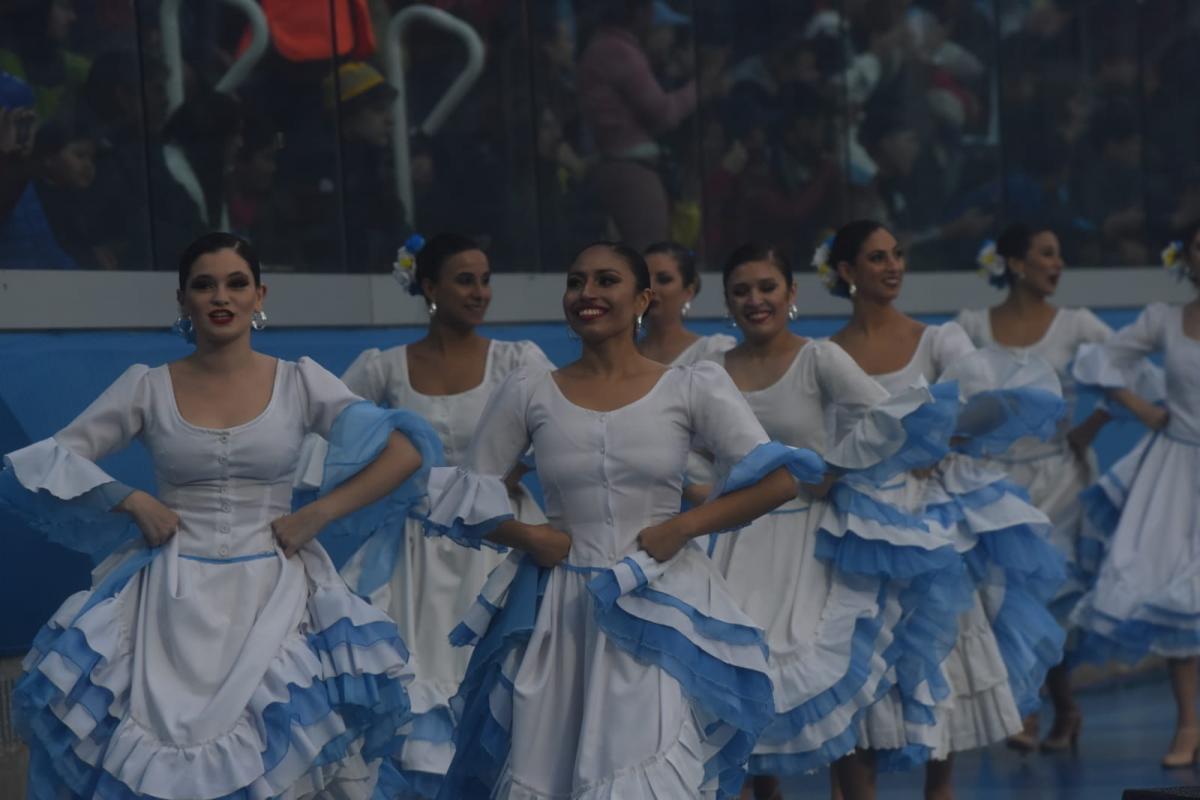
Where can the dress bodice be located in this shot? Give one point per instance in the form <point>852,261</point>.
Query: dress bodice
<point>608,475</point>
<point>1070,328</point>
<point>227,485</point>
<point>816,400</point>
<point>382,377</point>
<point>939,347</point>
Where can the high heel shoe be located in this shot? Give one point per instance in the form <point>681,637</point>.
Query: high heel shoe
<point>1185,748</point>
<point>1027,740</point>
<point>1064,735</point>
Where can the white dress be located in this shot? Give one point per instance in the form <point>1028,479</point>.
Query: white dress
<point>212,666</point>
<point>427,583</point>
<point>610,675</point>
<point>1005,640</point>
<point>1050,470</point>
<point>706,348</point>
<point>1147,595</point>
<point>830,632</point>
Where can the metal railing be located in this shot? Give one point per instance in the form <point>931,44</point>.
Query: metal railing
<point>394,58</point>
<point>239,70</point>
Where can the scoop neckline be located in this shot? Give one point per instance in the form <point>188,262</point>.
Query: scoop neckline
<point>630,404</point>
<point>487,369</point>
<point>240,426</point>
<point>991,332</point>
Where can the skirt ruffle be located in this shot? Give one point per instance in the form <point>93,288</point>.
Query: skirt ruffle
<point>333,699</point>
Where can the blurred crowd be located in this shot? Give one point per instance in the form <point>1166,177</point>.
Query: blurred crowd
<point>707,123</point>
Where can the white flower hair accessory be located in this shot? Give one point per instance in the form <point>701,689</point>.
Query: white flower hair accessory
<point>404,270</point>
<point>1173,260</point>
<point>820,263</point>
<point>991,264</point>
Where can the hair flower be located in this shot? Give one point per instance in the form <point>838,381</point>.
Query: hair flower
<point>991,264</point>
<point>820,262</point>
<point>1173,260</point>
<point>405,267</point>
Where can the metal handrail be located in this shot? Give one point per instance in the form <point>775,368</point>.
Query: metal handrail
<point>239,70</point>
<point>394,57</point>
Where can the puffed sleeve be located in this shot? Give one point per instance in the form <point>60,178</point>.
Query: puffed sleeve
<point>1118,362</point>
<point>367,377</point>
<point>355,432</point>
<point>876,434</point>
<point>950,344</point>
<point>324,396</point>
<point>55,486</point>
<point>529,355</point>
<point>1089,327</point>
<point>973,321</point>
<point>469,501</point>
<point>724,425</point>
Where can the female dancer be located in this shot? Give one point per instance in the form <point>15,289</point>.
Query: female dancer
<point>627,670</point>
<point>227,658</point>
<point>426,584</point>
<point>1001,653</point>
<point>1028,261</point>
<point>676,283</point>
<point>1144,599</point>
<point>830,633</point>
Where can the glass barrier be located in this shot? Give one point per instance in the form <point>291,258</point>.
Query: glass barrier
<point>327,131</point>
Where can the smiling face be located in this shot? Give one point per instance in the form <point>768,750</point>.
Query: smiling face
<point>670,294</point>
<point>463,290</point>
<point>758,296</point>
<point>1042,267</point>
<point>602,297</point>
<point>220,296</point>
<point>877,272</point>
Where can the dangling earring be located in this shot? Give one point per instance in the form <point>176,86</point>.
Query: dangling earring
<point>687,307</point>
<point>432,308</point>
<point>258,320</point>
<point>184,329</point>
<point>571,334</point>
<point>853,290</point>
<point>638,325</point>
<point>729,320</point>
<point>793,313</point>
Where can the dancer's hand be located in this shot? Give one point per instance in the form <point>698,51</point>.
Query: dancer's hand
<point>293,531</point>
<point>664,540</point>
<point>1079,439</point>
<point>156,522</point>
<point>546,544</point>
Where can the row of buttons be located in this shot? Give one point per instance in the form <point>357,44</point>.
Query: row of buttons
<point>226,506</point>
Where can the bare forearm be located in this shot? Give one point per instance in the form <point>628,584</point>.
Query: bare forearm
<point>1140,407</point>
<point>740,507</point>
<point>510,533</point>
<point>391,468</point>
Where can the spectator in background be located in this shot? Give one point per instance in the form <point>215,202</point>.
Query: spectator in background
<point>65,158</point>
<point>35,38</point>
<point>912,198</point>
<point>1110,190</point>
<point>257,210</point>
<point>26,241</point>
<point>200,141</point>
<point>374,214</point>
<point>624,108</point>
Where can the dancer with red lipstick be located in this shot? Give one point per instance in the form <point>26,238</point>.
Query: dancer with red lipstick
<point>612,661</point>
<point>1027,260</point>
<point>830,631</point>
<point>987,637</point>
<point>426,584</point>
<point>223,656</point>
